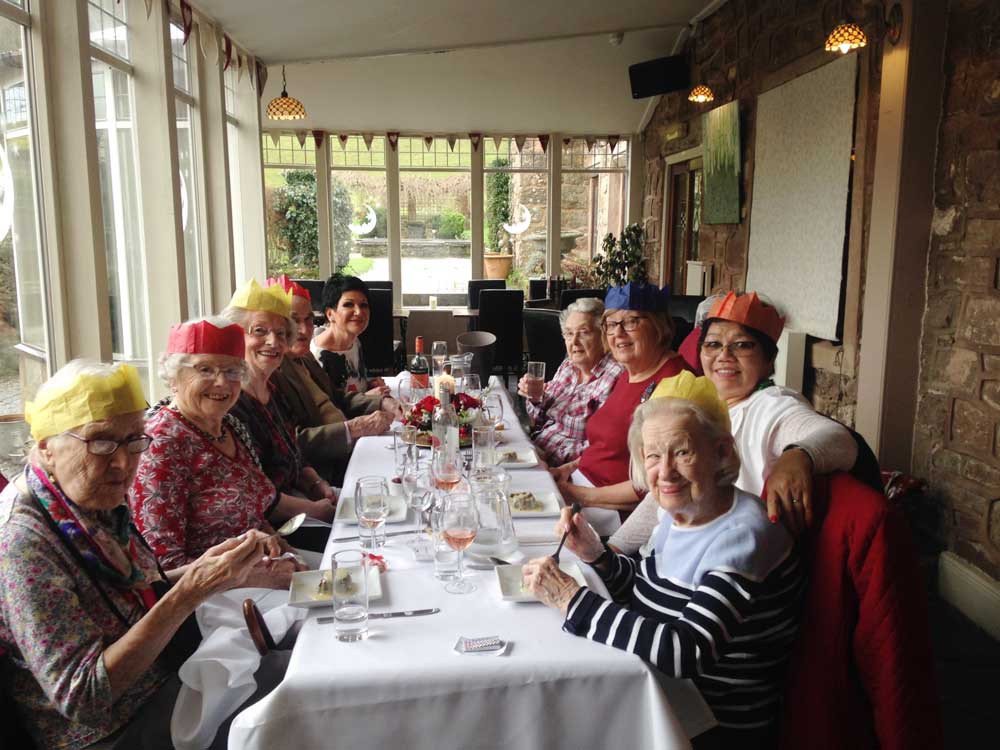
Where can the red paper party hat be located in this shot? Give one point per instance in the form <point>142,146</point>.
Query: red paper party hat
<point>202,337</point>
<point>289,286</point>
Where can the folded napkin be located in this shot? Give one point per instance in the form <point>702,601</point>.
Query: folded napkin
<point>219,676</point>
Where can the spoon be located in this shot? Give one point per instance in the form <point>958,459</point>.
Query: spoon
<point>290,526</point>
<point>574,510</point>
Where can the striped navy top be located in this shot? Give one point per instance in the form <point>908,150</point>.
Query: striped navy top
<point>717,603</point>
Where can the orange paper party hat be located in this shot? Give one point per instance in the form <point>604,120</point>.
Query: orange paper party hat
<point>750,311</point>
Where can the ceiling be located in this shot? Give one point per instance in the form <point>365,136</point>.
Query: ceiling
<point>299,30</point>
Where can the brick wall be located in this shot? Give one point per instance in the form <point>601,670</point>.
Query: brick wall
<point>957,437</point>
<point>736,48</point>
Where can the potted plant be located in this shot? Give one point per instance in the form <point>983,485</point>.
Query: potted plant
<point>622,260</point>
<point>498,257</point>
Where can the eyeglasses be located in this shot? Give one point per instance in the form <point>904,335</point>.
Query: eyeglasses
<point>630,323</point>
<point>735,348</point>
<point>262,332</point>
<point>581,333</point>
<point>105,447</point>
<point>210,374</point>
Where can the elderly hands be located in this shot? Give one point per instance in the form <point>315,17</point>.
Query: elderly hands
<point>375,423</point>
<point>228,565</point>
<point>542,576</point>
<point>531,388</point>
<point>789,490</point>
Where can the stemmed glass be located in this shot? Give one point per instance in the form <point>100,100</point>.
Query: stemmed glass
<point>461,524</point>
<point>446,469</point>
<point>371,504</point>
<point>439,356</point>
<point>471,385</point>
<point>492,408</point>
<point>419,497</point>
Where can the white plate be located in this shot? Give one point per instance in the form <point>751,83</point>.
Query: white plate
<point>525,459</point>
<point>302,592</point>
<point>346,514</point>
<point>552,506</point>
<point>510,578</point>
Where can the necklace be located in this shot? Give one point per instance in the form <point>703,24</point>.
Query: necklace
<point>204,433</point>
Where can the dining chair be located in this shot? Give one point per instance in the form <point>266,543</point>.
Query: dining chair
<point>570,296</point>
<point>477,285</point>
<point>544,339</point>
<point>501,312</point>
<point>377,340</point>
<point>259,632</point>
<point>433,325</point>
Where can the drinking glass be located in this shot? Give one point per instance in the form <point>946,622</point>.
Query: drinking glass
<point>471,385</point>
<point>446,469</point>
<point>483,446</point>
<point>371,503</point>
<point>445,558</point>
<point>404,446</point>
<point>493,408</point>
<point>349,577</point>
<point>461,524</point>
<point>416,487</point>
<point>439,356</point>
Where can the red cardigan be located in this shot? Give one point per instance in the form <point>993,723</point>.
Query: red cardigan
<point>862,673</point>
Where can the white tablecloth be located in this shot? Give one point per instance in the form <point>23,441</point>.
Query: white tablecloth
<point>405,687</point>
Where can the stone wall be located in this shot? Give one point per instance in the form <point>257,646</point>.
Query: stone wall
<point>735,50</point>
<point>957,436</point>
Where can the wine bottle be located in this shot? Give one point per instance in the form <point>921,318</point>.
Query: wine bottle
<point>444,423</point>
<point>419,367</point>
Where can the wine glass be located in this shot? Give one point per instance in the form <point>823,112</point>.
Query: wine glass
<point>371,504</point>
<point>446,469</point>
<point>419,496</point>
<point>493,408</point>
<point>461,524</point>
<point>439,356</point>
<point>471,385</point>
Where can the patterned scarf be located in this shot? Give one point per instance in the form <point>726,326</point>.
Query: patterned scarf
<point>106,540</point>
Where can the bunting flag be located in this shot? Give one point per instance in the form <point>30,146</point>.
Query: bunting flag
<point>342,137</point>
<point>591,142</point>
<point>318,136</point>
<point>612,142</point>
<point>149,8</point>
<point>452,140</point>
<point>187,20</point>
<point>567,141</point>
<point>275,137</point>
<point>368,138</point>
<point>300,136</point>
<point>519,141</point>
<point>208,41</point>
<point>261,77</point>
<point>239,67</point>
<point>497,140</point>
<point>428,142</point>
<point>393,137</point>
<point>474,139</point>
<point>251,66</point>
<point>544,140</point>
<point>227,49</point>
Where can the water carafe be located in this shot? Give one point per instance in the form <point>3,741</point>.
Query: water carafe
<point>496,527</point>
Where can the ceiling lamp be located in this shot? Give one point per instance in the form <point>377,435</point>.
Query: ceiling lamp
<point>285,107</point>
<point>701,94</point>
<point>845,37</point>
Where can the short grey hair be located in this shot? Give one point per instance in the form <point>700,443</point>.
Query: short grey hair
<point>241,317</point>
<point>170,363</point>
<point>592,307</point>
<point>728,470</point>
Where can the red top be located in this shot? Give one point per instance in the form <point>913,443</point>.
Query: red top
<point>605,460</point>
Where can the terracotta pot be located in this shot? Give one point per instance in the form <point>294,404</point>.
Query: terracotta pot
<point>497,265</point>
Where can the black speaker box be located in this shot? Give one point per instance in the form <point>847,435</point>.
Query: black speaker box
<point>659,76</point>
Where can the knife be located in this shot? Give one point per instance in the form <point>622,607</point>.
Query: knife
<point>387,615</point>
<point>354,537</point>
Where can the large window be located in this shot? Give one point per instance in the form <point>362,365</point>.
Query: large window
<point>594,195</point>
<point>290,205</point>
<point>114,114</point>
<point>516,208</point>
<point>435,185</point>
<point>23,340</point>
<point>359,207</point>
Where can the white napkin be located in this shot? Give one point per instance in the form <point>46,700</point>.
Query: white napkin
<point>219,676</point>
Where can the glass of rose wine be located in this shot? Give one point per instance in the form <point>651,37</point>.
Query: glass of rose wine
<point>446,469</point>
<point>461,524</point>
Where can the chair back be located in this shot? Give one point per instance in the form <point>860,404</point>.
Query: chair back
<point>544,337</point>
<point>379,285</point>
<point>376,341</point>
<point>501,312</point>
<point>861,673</point>
<point>684,306</point>
<point>315,289</point>
<point>569,296</point>
<point>433,325</point>
<point>259,632</point>
<point>481,344</point>
<point>537,288</point>
<point>477,285</point>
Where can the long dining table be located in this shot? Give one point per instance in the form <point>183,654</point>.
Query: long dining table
<point>405,685</point>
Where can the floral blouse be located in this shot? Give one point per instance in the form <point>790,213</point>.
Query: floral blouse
<point>54,626</point>
<point>188,495</point>
<point>273,437</point>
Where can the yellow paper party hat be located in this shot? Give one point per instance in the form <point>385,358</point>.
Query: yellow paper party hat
<point>85,398</point>
<point>700,391</point>
<point>256,298</point>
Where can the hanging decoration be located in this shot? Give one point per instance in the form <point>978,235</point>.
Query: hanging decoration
<point>187,20</point>
<point>261,77</point>
<point>393,137</point>
<point>275,137</point>
<point>368,138</point>
<point>591,141</point>
<point>149,8</point>
<point>452,140</point>
<point>519,141</point>
<point>342,138</point>
<point>318,136</point>
<point>474,139</point>
<point>567,141</point>
<point>239,67</point>
<point>428,142</point>
<point>497,140</point>
<point>300,136</point>
<point>612,142</point>
<point>543,139</point>
<point>285,107</point>
<point>251,66</point>
<point>208,41</point>
<point>227,47</point>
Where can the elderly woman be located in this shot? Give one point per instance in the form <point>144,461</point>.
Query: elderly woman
<point>337,348</point>
<point>325,435</point>
<point>88,640</point>
<point>559,409</point>
<point>780,437</point>
<point>639,333</point>
<point>200,482</point>
<point>716,601</point>
<point>263,315</point>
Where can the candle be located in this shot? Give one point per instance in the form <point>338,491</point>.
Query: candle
<point>444,377</point>
<point>433,302</point>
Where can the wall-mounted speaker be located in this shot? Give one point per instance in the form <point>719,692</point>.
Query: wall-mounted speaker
<point>659,76</point>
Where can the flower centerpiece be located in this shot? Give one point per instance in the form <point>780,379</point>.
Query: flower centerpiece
<point>466,407</point>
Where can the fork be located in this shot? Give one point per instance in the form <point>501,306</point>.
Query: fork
<point>574,510</point>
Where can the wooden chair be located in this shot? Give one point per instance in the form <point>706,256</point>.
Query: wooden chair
<point>259,632</point>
